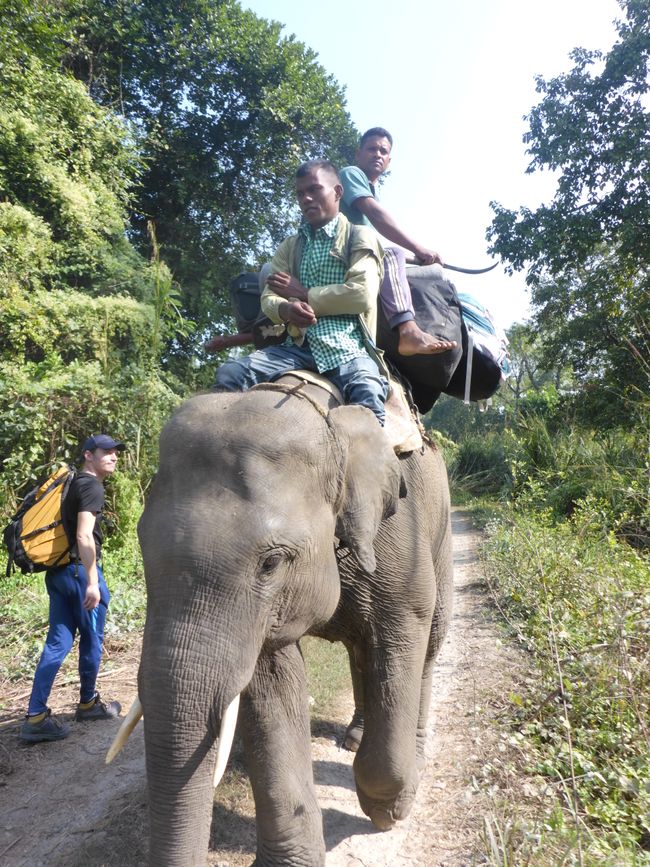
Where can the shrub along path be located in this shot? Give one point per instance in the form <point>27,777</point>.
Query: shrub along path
<point>60,806</point>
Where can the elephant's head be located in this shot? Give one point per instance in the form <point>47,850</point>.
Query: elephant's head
<point>238,539</point>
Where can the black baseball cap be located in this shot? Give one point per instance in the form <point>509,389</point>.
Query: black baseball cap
<point>101,441</point>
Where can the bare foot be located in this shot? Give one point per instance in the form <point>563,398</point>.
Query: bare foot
<point>414,341</point>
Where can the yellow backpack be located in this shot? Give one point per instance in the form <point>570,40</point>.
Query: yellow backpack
<point>36,538</point>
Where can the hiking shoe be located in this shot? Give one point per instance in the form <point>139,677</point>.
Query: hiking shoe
<point>98,710</point>
<point>48,729</point>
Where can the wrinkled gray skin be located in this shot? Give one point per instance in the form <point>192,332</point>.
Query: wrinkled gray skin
<point>238,538</point>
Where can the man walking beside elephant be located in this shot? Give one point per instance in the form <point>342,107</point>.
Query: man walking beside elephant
<point>323,285</point>
<point>360,206</point>
<point>79,599</point>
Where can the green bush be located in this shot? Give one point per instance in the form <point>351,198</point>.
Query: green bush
<point>67,167</point>
<point>581,604</point>
<point>43,422</point>
<point>26,249</point>
<point>56,328</point>
<point>125,577</point>
<point>559,472</point>
<point>480,465</point>
<point>448,447</point>
<point>71,365</point>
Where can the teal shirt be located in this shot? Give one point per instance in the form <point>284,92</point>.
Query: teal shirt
<point>355,186</point>
<point>333,340</point>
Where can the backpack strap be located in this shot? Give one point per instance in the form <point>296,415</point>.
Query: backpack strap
<point>353,236</point>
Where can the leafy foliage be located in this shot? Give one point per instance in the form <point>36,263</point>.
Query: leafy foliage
<point>68,365</point>
<point>34,28</point>
<point>226,108</point>
<point>581,605</point>
<point>542,466</point>
<point>588,251</point>
<point>480,464</point>
<point>557,473</point>
<point>536,381</point>
<point>66,168</point>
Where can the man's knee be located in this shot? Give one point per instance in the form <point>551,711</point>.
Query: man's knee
<point>362,383</point>
<point>231,376</point>
<point>58,643</point>
<point>394,256</point>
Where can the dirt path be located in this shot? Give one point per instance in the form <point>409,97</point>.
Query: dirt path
<point>60,806</point>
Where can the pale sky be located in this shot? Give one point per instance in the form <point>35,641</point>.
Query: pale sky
<point>451,80</point>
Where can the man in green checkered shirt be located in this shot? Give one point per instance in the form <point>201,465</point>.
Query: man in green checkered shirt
<point>323,285</point>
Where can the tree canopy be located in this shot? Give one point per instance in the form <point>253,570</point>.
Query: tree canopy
<point>146,152</point>
<point>67,169</point>
<point>588,251</point>
<point>226,109</point>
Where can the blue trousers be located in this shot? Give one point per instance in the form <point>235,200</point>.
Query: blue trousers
<point>66,590</point>
<point>359,380</point>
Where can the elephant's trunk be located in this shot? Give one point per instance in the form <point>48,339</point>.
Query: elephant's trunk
<point>226,735</point>
<point>185,700</point>
<point>180,798</point>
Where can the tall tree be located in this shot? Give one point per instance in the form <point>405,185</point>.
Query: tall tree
<point>226,109</point>
<point>532,385</point>
<point>83,315</point>
<point>588,251</point>
<point>67,167</point>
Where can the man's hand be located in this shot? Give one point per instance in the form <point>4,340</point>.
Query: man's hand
<point>286,286</point>
<point>92,597</point>
<point>426,257</point>
<point>297,313</point>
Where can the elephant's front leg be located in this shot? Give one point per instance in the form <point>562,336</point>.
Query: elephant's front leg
<point>274,720</point>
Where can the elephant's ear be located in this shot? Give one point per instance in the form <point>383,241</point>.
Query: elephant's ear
<point>371,481</point>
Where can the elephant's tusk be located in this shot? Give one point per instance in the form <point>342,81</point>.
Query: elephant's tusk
<point>129,723</point>
<point>226,736</point>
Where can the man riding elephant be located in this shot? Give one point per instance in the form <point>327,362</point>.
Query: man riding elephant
<point>361,206</point>
<point>323,286</point>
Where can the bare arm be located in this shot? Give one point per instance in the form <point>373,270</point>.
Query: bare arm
<point>384,223</point>
<point>88,556</point>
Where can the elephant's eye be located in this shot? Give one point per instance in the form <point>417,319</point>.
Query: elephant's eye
<point>271,562</point>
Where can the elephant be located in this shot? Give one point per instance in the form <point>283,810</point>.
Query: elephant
<point>270,518</point>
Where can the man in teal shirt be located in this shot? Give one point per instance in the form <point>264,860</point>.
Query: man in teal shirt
<point>323,286</point>
<point>360,206</point>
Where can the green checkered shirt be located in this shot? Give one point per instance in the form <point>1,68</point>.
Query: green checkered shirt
<point>333,340</point>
